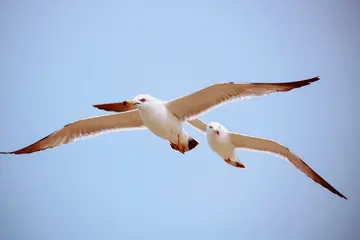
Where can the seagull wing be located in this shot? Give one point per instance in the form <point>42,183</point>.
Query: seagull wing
<point>260,144</point>
<point>198,124</point>
<point>204,99</point>
<point>83,128</point>
<point>115,107</point>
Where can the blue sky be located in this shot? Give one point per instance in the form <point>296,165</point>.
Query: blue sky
<point>57,58</point>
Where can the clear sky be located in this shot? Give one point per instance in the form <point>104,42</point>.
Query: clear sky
<point>57,58</point>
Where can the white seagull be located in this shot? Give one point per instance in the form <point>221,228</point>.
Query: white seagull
<point>162,118</point>
<point>224,143</point>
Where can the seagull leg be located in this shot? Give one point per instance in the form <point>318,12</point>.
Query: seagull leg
<point>234,163</point>
<point>174,146</point>
<point>180,147</point>
<point>227,161</point>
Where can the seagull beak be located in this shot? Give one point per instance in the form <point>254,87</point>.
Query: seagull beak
<point>217,132</point>
<point>132,102</point>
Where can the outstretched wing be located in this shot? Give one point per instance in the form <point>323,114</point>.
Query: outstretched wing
<point>83,128</point>
<point>260,144</point>
<point>206,98</point>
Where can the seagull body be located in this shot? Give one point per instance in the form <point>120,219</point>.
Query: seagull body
<point>161,122</point>
<point>162,118</point>
<point>224,143</point>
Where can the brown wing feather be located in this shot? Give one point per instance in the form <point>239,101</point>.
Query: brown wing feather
<point>204,99</point>
<point>260,144</point>
<point>82,128</point>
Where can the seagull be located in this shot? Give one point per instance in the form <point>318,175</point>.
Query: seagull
<point>163,118</point>
<point>223,142</point>
<point>154,111</point>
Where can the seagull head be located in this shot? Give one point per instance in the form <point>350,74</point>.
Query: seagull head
<point>142,100</point>
<point>215,127</point>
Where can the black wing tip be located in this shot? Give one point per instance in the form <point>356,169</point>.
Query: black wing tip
<point>298,84</point>
<point>292,85</point>
<point>340,195</point>
<point>305,82</point>
<point>6,152</point>
<point>314,79</point>
<point>334,190</point>
<point>16,152</point>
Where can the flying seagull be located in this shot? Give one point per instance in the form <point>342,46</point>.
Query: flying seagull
<point>224,143</point>
<point>162,118</point>
<point>189,106</point>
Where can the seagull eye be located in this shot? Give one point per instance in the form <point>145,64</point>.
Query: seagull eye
<point>211,127</point>
<point>142,100</point>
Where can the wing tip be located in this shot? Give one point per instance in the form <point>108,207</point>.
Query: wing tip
<point>314,79</point>
<point>21,151</point>
<point>287,86</point>
<point>6,153</point>
<point>341,195</point>
<point>15,152</point>
<point>306,82</point>
<point>334,190</point>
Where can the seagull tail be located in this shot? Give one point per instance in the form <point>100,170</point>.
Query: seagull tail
<point>192,143</point>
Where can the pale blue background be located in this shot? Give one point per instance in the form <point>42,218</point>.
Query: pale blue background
<point>57,58</point>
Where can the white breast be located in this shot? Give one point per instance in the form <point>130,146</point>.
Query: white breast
<point>160,121</point>
<point>221,144</point>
